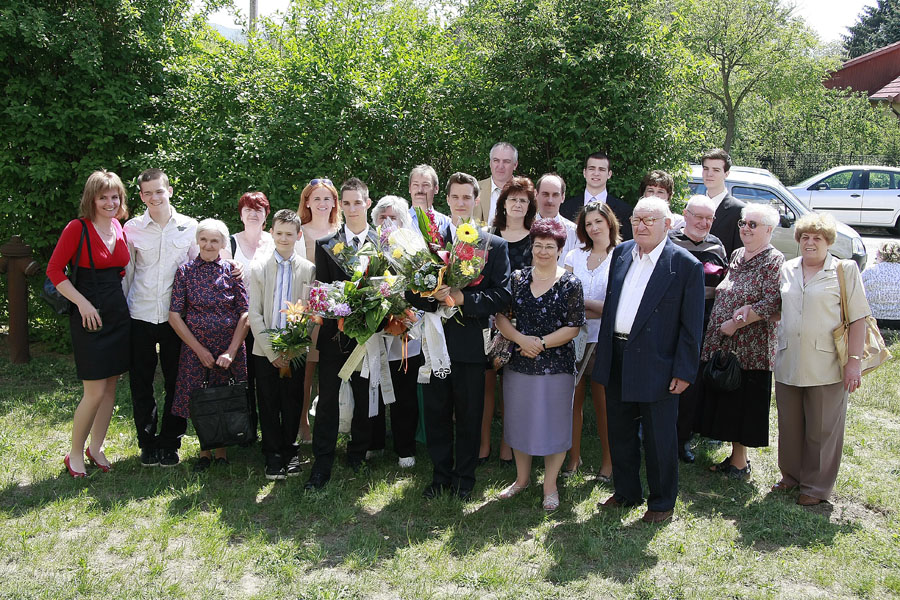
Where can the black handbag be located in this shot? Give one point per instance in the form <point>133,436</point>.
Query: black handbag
<point>49,294</point>
<point>723,371</point>
<point>221,415</point>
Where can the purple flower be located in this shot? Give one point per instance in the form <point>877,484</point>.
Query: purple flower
<point>341,309</point>
<point>384,289</point>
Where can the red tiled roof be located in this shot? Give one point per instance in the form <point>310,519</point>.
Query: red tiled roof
<point>890,92</point>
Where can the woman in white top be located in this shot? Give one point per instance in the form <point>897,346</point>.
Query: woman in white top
<point>598,232</point>
<point>882,283</point>
<point>320,214</point>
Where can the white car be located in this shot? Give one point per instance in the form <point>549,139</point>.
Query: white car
<point>759,185</point>
<point>855,195</point>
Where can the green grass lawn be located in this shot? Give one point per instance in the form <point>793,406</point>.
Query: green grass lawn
<point>229,533</point>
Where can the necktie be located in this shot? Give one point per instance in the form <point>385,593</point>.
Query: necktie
<point>282,292</point>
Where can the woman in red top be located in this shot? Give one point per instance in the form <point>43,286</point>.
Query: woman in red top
<point>98,319</point>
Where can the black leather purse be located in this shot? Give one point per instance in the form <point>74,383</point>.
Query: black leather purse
<point>221,415</point>
<point>49,294</point>
<point>723,372</point>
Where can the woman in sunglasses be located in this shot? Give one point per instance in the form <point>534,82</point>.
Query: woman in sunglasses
<point>742,323</point>
<point>320,214</point>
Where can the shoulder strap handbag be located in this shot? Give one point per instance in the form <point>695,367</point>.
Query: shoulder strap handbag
<point>875,351</point>
<point>59,303</point>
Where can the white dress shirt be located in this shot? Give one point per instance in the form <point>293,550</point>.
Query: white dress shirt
<point>593,283</point>
<point>361,237</point>
<point>156,253</point>
<point>495,193</point>
<point>601,197</point>
<point>571,237</point>
<point>440,220</point>
<point>634,285</point>
<point>717,199</point>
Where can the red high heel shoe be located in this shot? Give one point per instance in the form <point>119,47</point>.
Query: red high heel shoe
<point>74,474</point>
<point>104,468</point>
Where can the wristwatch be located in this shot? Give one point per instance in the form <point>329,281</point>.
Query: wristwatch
<point>543,344</point>
<point>854,356</point>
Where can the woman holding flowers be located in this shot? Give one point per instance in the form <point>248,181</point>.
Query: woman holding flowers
<point>208,311</point>
<point>514,214</point>
<point>539,380</point>
<point>320,216</point>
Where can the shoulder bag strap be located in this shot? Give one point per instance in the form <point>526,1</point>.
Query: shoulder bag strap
<point>233,245</point>
<point>90,252</point>
<point>840,276</point>
<point>73,273</point>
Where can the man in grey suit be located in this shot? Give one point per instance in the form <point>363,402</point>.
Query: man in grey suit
<point>716,165</point>
<point>504,160</point>
<point>648,353</point>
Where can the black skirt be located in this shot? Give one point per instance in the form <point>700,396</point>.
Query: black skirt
<point>740,416</point>
<point>104,353</point>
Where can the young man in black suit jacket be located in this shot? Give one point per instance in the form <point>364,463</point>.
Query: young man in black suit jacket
<point>334,347</point>
<point>597,172</point>
<point>716,165</point>
<point>461,394</point>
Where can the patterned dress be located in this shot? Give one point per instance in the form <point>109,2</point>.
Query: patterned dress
<point>743,415</point>
<point>211,303</point>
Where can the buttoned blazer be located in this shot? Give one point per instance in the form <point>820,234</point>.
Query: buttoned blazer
<point>725,226</point>
<point>465,340</point>
<point>483,206</point>
<point>570,207</point>
<point>331,340</point>
<point>668,328</point>
<point>263,275</point>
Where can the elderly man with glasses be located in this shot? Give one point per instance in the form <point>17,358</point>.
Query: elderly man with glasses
<point>648,352</point>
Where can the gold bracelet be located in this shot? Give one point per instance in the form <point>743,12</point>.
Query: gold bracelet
<point>856,357</point>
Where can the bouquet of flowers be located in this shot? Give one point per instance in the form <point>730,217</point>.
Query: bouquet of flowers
<point>293,341</point>
<point>466,257</point>
<point>357,263</point>
<point>328,300</point>
<point>410,256</point>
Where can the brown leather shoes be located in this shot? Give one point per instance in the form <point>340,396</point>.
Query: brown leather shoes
<point>657,516</point>
<point>611,502</point>
<point>805,500</point>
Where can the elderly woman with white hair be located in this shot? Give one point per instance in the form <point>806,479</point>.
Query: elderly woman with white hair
<point>208,311</point>
<point>742,323</point>
<point>392,208</point>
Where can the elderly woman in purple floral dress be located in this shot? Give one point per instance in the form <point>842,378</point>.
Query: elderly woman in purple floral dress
<point>208,311</point>
<point>742,323</point>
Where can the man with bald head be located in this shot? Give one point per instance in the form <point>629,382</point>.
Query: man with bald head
<point>550,191</point>
<point>647,354</point>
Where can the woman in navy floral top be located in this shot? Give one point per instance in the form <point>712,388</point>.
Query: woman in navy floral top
<point>209,313</point>
<point>539,380</point>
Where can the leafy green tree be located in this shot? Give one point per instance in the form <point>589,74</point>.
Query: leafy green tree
<point>877,27</point>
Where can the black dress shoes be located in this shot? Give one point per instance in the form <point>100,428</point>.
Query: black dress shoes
<point>464,493</point>
<point>433,490</point>
<point>316,481</point>
<point>686,454</point>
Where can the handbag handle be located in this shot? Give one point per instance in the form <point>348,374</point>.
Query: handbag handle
<point>840,276</point>
<point>205,384</point>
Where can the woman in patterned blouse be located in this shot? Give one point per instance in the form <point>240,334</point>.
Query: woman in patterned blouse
<point>742,323</point>
<point>882,283</point>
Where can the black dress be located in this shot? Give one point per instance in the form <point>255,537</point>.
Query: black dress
<point>519,254</point>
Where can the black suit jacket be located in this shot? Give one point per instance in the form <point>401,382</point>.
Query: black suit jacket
<point>569,209</point>
<point>331,341</point>
<point>725,226</point>
<point>465,342</point>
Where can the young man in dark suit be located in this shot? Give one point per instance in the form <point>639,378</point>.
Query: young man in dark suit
<point>716,165</point>
<point>597,171</point>
<point>648,352</point>
<point>334,347</point>
<point>454,405</point>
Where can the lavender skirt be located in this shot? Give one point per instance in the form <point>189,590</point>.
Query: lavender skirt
<point>537,412</point>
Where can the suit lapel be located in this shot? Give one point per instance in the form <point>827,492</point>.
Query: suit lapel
<point>661,278</point>
<point>617,279</point>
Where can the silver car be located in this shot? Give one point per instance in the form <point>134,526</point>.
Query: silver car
<point>855,195</point>
<point>759,185</point>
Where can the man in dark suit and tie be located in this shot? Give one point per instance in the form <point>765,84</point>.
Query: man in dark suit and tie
<point>334,347</point>
<point>597,172</point>
<point>648,352</point>
<point>457,402</point>
<point>716,165</point>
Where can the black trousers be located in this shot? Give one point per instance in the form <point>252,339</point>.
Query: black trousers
<point>688,404</point>
<point>460,395</point>
<point>144,338</point>
<point>280,400</point>
<point>251,380</point>
<point>325,426</point>
<point>404,411</point>
<point>659,436</point>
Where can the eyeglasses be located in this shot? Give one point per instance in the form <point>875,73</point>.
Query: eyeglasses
<point>518,200</point>
<point>545,247</point>
<point>750,224</point>
<point>647,221</point>
<point>696,216</point>
<point>321,181</point>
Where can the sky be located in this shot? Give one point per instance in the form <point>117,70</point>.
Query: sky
<point>829,18</point>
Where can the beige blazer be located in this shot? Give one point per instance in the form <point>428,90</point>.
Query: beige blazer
<point>483,206</point>
<point>262,297</point>
<point>805,355</point>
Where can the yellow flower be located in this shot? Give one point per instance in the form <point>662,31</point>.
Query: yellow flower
<point>467,233</point>
<point>294,311</point>
<point>338,248</point>
<point>391,279</point>
<point>397,252</point>
<point>467,269</point>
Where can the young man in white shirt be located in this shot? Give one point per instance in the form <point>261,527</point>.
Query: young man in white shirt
<point>160,240</point>
<point>716,165</point>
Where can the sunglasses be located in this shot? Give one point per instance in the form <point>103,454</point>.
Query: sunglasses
<point>321,181</point>
<point>750,224</point>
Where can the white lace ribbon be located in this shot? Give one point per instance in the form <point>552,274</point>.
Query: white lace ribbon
<point>434,345</point>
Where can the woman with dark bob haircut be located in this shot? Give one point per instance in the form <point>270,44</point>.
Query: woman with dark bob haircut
<point>515,211</point>
<point>598,231</point>
<point>539,380</point>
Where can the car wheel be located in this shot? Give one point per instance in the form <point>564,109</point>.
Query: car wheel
<point>895,230</point>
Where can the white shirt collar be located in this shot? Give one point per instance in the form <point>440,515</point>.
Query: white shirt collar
<point>145,219</point>
<point>653,255</point>
<point>362,235</point>
<point>717,199</point>
<point>494,185</point>
<point>601,196</point>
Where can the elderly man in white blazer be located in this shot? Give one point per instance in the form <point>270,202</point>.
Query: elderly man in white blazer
<point>274,280</point>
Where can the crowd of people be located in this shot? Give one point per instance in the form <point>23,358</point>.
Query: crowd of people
<point>636,304</point>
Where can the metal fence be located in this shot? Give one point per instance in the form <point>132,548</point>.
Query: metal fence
<point>792,167</point>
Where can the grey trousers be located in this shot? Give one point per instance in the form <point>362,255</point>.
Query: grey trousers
<point>811,435</point>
